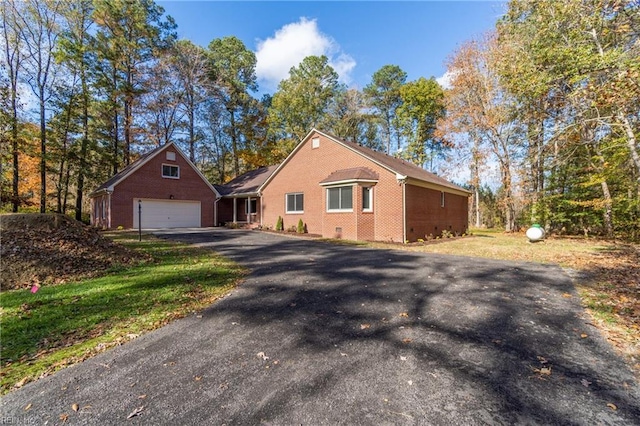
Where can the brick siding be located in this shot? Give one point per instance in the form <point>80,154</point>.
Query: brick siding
<point>425,215</point>
<point>303,173</point>
<point>147,182</point>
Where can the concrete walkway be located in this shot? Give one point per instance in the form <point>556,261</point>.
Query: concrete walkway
<point>329,334</point>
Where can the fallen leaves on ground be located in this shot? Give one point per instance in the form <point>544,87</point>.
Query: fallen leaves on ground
<point>52,249</point>
<point>611,293</point>
<point>135,412</point>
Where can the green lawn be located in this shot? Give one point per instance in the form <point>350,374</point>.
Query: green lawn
<point>496,244</point>
<point>63,324</point>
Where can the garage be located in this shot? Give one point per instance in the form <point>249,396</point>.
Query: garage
<point>167,213</point>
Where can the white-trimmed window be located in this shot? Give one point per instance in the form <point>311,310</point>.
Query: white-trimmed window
<point>442,199</point>
<point>340,199</point>
<point>251,206</point>
<point>171,156</point>
<point>170,171</point>
<point>295,202</point>
<point>367,199</point>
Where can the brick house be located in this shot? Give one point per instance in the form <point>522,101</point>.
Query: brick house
<point>162,188</point>
<point>343,190</point>
<point>339,189</point>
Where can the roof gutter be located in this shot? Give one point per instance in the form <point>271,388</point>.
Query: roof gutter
<point>242,195</point>
<point>101,191</point>
<point>348,181</point>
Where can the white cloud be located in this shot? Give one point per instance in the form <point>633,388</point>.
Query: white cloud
<point>290,45</point>
<point>445,80</point>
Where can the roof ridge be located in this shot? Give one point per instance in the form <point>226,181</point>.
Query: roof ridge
<point>397,165</point>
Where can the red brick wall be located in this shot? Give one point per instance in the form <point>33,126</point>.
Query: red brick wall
<point>303,173</point>
<point>426,216</point>
<point>225,210</point>
<point>366,220</point>
<point>100,211</point>
<point>147,182</point>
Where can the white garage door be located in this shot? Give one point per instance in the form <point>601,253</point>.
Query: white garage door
<point>167,214</point>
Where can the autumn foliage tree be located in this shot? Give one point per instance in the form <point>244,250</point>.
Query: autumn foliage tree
<point>542,112</point>
<point>480,119</point>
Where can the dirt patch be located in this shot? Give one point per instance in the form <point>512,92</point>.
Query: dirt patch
<point>47,249</point>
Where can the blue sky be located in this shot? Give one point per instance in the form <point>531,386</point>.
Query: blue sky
<point>358,37</point>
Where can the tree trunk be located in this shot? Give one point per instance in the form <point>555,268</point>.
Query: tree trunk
<point>15,201</point>
<point>607,216</point>
<point>475,181</point>
<point>66,190</point>
<point>61,170</point>
<point>64,160</point>
<point>477,203</point>
<point>608,209</point>
<point>83,146</point>
<point>12,58</point>
<point>509,211</point>
<point>116,118</point>
<point>234,144</point>
<point>43,155</point>
<point>128,116</point>
<point>127,131</point>
<point>631,142</point>
<point>192,142</point>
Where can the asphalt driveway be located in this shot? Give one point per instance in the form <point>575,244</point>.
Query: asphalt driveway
<point>329,334</point>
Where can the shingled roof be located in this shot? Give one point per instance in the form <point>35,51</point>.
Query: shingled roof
<point>355,173</point>
<point>402,168</point>
<point>248,183</point>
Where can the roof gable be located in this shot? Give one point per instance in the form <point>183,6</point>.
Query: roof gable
<point>110,184</point>
<point>402,169</point>
<point>247,183</point>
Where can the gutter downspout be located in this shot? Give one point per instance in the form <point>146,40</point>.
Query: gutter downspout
<point>248,210</point>
<point>402,180</point>
<point>235,210</point>
<point>356,211</point>
<point>404,212</point>
<point>259,196</point>
<point>215,211</point>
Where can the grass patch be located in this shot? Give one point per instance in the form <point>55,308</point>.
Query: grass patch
<point>63,324</point>
<point>496,244</point>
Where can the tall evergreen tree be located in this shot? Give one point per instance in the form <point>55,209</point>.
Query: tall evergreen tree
<point>232,71</point>
<point>422,106</point>
<point>75,52</point>
<point>303,101</point>
<point>129,36</point>
<point>384,95</point>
